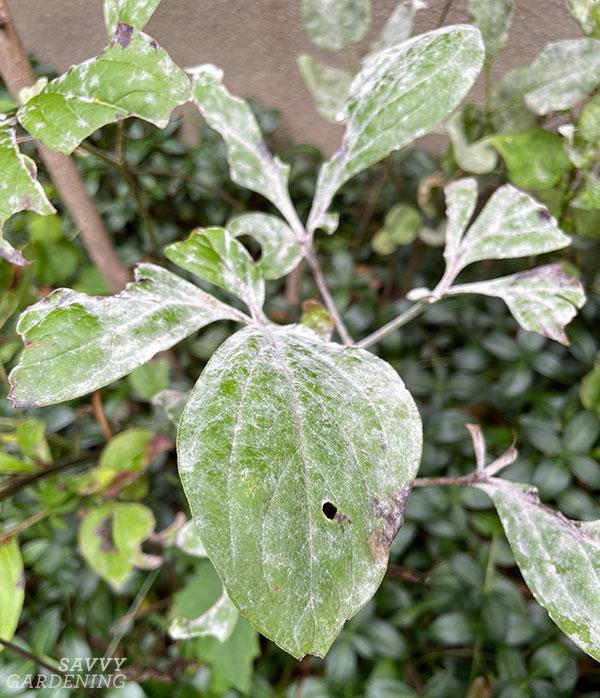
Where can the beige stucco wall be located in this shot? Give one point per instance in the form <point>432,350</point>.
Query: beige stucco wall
<point>256,42</point>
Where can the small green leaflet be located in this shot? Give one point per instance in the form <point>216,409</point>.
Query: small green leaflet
<point>297,458</point>
<point>559,559</point>
<point>250,162</point>
<point>328,86</point>
<point>542,300</point>
<point>336,24</point>
<point>280,250</point>
<point>214,255</point>
<point>512,224</point>
<point>535,159</point>
<point>401,93</point>
<point>561,76</point>
<point>478,157</point>
<point>399,24</point>
<point>132,77</point>
<point>218,621</point>
<point>12,588</point>
<point>75,343</point>
<point>136,13</point>
<point>587,14</point>
<point>19,188</point>
<point>110,539</point>
<point>493,17</point>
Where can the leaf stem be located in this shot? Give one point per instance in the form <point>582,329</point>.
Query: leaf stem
<point>11,647</point>
<point>313,262</point>
<point>414,311</point>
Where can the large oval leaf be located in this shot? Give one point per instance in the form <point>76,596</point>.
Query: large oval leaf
<point>297,457</point>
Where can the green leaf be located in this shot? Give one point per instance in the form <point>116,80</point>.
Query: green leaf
<point>10,465</point>
<point>31,440</point>
<point>189,541</point>
<point>327,85</point>
<point>149,378</point>
<point>561,76</point>
<point>132,77</point>
<point>172,402</point>
<point>400,94</point>
<point>588,126</point>
<point>75,344</point>
<point>587,14</point>
<point>251,164</point>
<point>589,391</point>
<point>214,255</point>
<point>493,17</point>
<point>478,157</point>
<point>399,24</point>
<point>542,300</point>
<point>218,621</point>
<point>280,249</point>
<point>558,558</point>
<point>19,189</point>
<point>512,224</point>
<point>401,227</point>
<point>110,539</point>
<point>461,200</point>
<point>12,588</point>
<point>336,24</point>
<point>297,457</point>
<point>136,13</point>
<point>535,159</point>
<point>318,319</point>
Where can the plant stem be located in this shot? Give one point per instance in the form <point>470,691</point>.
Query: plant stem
<point>472,479</point>
<point>17,74</point>
<point>414,311</point>
<point>313,262</point>
<point>29,655</point>
<point>23,525</point>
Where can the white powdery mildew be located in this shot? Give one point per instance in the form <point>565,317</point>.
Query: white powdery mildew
<point>493,17</point>
<point>559,559</point>
<point>278,425</point>
<point>461,200</point>
<point>328,86</point>
<point>401,93</point>
<point>280,250</point>
<point>479,157</point>
<point>137,13</point>
<point>399,24</point>
<point>542,300</point>
<point>335,24</point>
<point>19,188</point>
<point>75,343</point>
<point>132,77</point>
<point>218,621</point>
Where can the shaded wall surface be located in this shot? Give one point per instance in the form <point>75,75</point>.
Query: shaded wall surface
<point>256,42</point>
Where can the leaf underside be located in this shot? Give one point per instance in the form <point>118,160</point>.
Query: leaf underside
<point>279,426</point>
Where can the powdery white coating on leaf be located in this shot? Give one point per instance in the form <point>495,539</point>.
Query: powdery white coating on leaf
<point>478,157</point>
<point>251,164</point>
<point>214,255</point>
<point>542,300</point>
<point>559,560</point>
<point>280,250</point>
<point>278,424</point>
<point>12,588</point>
<point>75,343</point>
<point>461,200</point>
<point>19,188</point>
<point>401,93</point>
<point>132,77</point>
<point>328,86</point>
<point>587,14</point>
<point>218,621</point>
<point>399,24</point>
<point>512,224</point>
<point>493,17</point>
<point>136,13</point>
<point>336,24</point>
<point>188,540</point>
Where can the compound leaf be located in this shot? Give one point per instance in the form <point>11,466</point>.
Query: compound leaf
<point>251,164</point>
<point>136,13</point>
<point>542,300</point>
<point>401,93</point>
<point>336,24</point>
<point>75,343</point>
<point>280,250</point>
<point>214,255</point>
<point>558,558</point>
<point>12,588</point>
<point>132,77</point>
<point>19,188</point>
<point>297,457</point>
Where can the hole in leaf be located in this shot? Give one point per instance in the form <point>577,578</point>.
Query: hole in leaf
<point>330,510</point>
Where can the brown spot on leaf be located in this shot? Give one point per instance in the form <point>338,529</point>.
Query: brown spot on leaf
<point>104,532</point>
<point>342,519</point>
<point>123,34</point>
<point>21,581</point>
<point>544,214</point>
<point>391,512</point>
